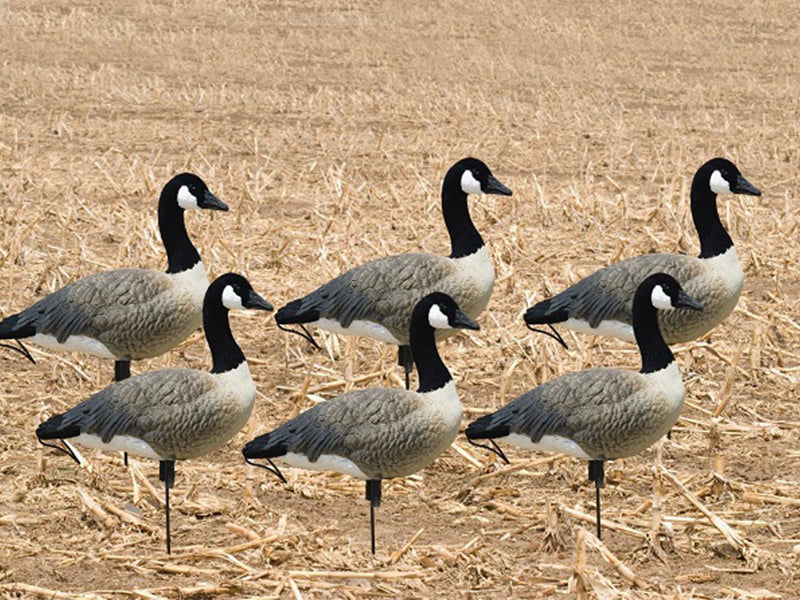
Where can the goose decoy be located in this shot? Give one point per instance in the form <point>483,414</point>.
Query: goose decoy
<point>376,299</point>
<point>602,414</point>
<point>378,433</point>
<point>129,314</point>
<point>601,304</point>
<point>172,414</point>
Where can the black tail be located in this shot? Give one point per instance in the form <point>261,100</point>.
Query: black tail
<point>545,313</point>
<point>487,427</point>
<point>14,328</point>
<point>58,428</point>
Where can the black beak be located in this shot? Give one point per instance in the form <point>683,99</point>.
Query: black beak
<point>742,186</point>
<point>686,301</point>
<point>493,186</point>
<point>257,302</point>
<point>211,202</point>
<point>462,321</point>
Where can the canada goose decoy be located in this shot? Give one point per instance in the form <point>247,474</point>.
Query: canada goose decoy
<point>378,433</point>
<point>602,414</point>
<point>376,299</point>
<point>601,303</point>
<point>129,314</point>
<point>172,414</point>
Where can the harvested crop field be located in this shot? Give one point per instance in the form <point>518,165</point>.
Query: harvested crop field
<point>327,127</point>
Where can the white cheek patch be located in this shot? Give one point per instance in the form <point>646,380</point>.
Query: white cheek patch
<point>718,184</point>
<point>231,299</point>
<point>186,199</point>
<point>437,318</point>
<point>660,300</point>
<point>470,184</point>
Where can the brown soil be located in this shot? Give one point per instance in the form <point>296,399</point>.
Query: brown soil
<point>327,127</point>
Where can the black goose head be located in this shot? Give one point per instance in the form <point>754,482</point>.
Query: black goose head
<point>440,311</point>
<point>234,291</point>
<point>721,176</point>
<point>656,293</point>
<point>663,292</point>
<point>190,192</point>
<point>472,176</point>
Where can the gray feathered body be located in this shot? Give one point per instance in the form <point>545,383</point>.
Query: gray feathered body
<point>609,413</point>
<point>134,313</point>
<point>386,290</point>
<point>179,413</point>
<point>608,293</point>
<point>385,432</point>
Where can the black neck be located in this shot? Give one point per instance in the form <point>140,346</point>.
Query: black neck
<point>181,254</point>
<point>464,238</point>
<point>656,355</point>
<point>714,238</point>
<point>433,373</point>
<point>225,352</point>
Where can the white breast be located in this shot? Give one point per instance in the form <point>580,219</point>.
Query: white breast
<point>444,404</point>
<point>369,329</point>
<point>668,382</point>
<point>238,383</point>
<point>728,269</point>
<point>477,267</point>
<point>192,281</point>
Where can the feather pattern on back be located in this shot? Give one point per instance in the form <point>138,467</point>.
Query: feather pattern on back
<point>609,413</point>
<point>607,294</point>
<point>385,432</point>
<point>180,413</point>
<point>386,290</point>
<point>135,313</point>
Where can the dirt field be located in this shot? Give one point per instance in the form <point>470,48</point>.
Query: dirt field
<point>327,127</point>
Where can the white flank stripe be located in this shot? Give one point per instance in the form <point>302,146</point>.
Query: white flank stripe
<point>326,462</point>
<point>123,443</point>
<point>611,328</point>
<point>369,329</point>
<point>74,343</point>
<point>548,443</point>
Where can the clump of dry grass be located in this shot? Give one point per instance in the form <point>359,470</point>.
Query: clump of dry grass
<point>327,127</point>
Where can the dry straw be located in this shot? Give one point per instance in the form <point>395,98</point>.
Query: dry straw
<point>327,127</point>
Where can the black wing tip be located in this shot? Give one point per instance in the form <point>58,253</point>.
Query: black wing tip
<point>293,313</point>
<point>12,329</point>
<point>484,428</point>
<point>262,447</point>
<point>55,429</point>
<point>544,314</point>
